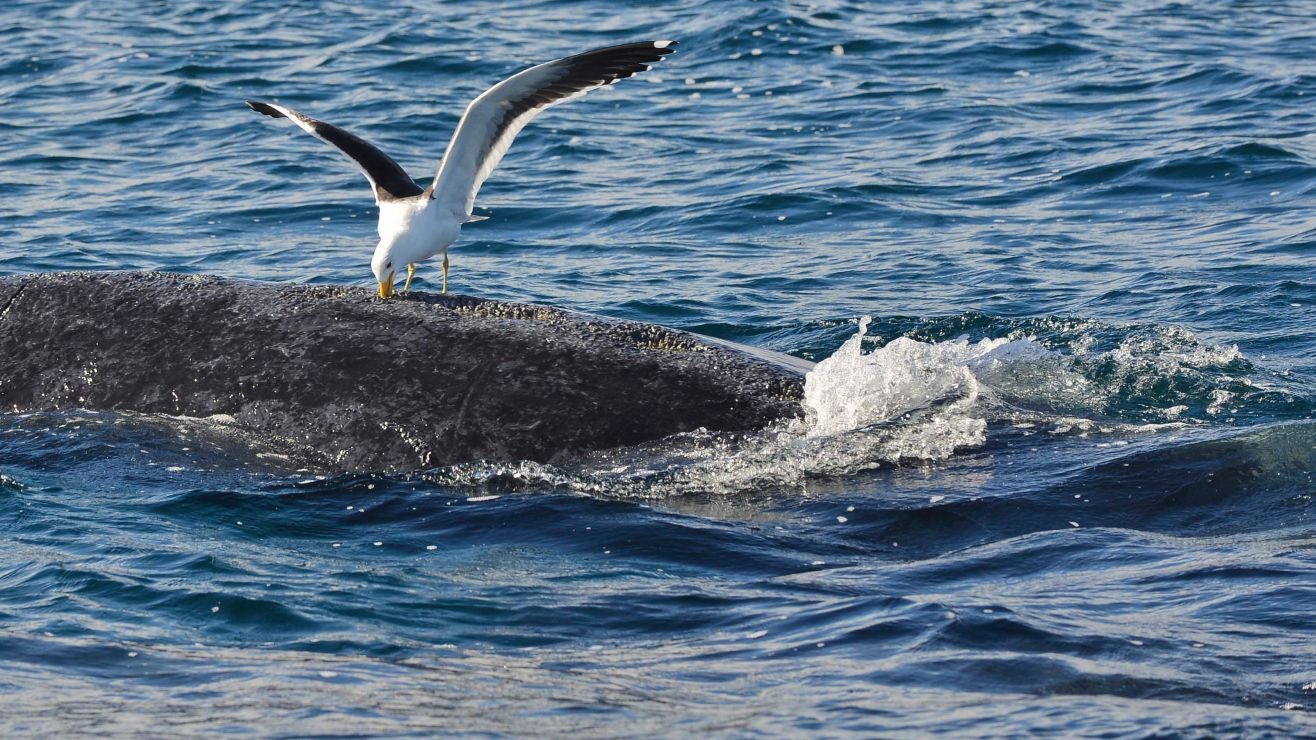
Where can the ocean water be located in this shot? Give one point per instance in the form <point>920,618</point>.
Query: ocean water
<point>1055,260</point>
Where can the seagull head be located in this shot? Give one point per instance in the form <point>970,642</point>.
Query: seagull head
<point>384,266</point>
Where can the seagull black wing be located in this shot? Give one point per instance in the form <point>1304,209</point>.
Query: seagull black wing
<point>493,120</point>
<point>387,178</point>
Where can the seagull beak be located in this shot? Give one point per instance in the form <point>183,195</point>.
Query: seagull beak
<point>386,288</point>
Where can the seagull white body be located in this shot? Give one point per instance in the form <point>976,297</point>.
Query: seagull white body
<point>416,224</point>
<point>412,230</point>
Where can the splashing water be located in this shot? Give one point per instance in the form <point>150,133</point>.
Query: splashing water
<point>851,390</point>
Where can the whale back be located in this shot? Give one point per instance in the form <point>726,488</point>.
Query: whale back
<point>348,382</point>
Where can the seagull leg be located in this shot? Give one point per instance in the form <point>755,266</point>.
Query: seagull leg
<point>445,273</point>
<point>411,272</point>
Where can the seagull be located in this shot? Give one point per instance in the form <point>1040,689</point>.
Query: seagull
<point>416,224</point>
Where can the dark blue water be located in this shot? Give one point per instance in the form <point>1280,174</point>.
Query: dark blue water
<point>1084,232</point>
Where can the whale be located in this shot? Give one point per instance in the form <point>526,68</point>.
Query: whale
<point>334,377</point>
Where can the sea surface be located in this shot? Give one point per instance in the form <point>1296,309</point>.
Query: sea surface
<point>1055,471</point>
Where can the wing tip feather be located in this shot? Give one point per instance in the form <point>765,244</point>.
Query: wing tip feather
<point>264,108</point>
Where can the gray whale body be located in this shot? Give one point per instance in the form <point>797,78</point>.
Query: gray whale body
<point>346,382</point>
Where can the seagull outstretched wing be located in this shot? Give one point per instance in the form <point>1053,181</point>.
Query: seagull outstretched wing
<point>387,178</point>
<point>493,120</point>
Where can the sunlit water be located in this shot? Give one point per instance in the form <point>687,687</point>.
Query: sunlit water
<point>1054,477</point>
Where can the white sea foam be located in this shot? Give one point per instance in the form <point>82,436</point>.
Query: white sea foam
<point>851,390</point>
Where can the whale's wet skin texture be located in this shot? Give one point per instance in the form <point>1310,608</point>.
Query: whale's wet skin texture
<point>342,381</point>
